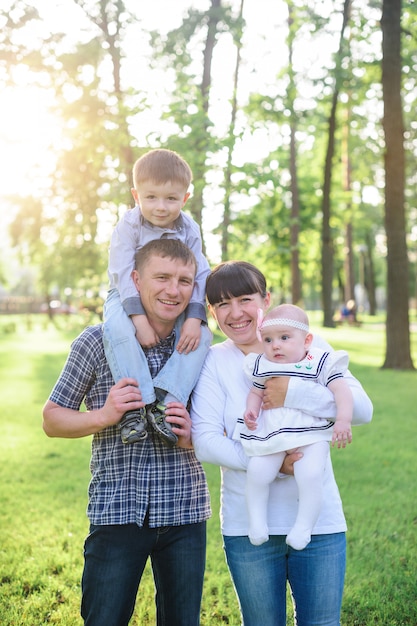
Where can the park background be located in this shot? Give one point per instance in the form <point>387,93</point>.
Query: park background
<point>298,120</point>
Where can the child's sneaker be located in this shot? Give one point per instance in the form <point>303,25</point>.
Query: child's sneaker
<point>133,426</point>
<point>156,417</point>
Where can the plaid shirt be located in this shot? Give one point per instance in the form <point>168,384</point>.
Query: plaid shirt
<point>129,481</point>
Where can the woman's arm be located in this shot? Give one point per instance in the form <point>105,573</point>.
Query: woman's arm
<point>208,406</point>
<point>315,399</point>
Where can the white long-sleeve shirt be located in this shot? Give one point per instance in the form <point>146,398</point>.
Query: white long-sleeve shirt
<point>131,233</point>
<point>219,399</point>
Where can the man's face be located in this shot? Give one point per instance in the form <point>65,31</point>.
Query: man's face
<point>165,286</point>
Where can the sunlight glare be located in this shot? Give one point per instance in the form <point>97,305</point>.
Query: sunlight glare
<point>27,130</point>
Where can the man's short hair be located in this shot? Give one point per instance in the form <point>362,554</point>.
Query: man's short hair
<point>172,248</point>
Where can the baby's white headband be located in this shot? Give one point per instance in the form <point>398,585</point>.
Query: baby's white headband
<point>278,321</point>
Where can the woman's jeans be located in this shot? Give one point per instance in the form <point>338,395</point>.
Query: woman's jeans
<point>114,560</point>
<point>315,575</point>
<point>126,358</point>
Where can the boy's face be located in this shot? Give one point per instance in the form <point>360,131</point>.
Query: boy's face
<point>160,204</point>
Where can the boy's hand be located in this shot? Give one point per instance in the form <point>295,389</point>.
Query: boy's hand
<point>250,420</point>
<point>342,433</point>
<point>190,335</point>
<point>145,334</point>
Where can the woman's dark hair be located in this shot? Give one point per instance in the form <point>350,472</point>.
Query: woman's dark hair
<point>233,279</point>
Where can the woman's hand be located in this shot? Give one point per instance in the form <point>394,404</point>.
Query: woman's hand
<point>275,392</point>
<point>287,466</point>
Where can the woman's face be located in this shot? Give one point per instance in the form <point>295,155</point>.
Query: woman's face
<point>237,318</point>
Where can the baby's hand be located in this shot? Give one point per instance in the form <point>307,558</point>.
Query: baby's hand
<point>342,433</point>
<point>145,334</point>
<point>250,420</point>
<point>190,335</point>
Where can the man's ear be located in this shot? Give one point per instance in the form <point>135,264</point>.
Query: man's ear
<point>135,278</point>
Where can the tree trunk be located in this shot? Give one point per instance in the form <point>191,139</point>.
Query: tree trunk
<point>370,284</point>
<point>326,234</point>
<point>199,170</point>
<point>398,355</point>
<point>296,288</point>
<point>231,140</point>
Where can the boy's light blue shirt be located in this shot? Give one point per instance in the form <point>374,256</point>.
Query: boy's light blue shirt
<point>130,234</point>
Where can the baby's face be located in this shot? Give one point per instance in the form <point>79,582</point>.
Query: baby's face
<point>283,344</point>
<point>161,204</point>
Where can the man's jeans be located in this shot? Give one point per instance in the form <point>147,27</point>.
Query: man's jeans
<point>315,575</point>
<point>115,557</point>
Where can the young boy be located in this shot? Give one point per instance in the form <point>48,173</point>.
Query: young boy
<point>161,180</point>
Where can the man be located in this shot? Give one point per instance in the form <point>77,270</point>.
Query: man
<point>147,499</point>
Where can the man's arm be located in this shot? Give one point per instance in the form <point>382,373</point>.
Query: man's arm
<point>60,421</point>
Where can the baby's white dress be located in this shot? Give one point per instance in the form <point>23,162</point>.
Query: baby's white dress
<point>285,429</point>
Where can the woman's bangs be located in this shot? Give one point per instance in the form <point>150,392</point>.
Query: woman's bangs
<point>232,281</point>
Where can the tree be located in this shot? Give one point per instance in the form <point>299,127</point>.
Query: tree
<point>230,143</point>
<point>327,251</point>
<point>94,152</point>
<point>189,106</point>
<point>296,287</point>
<point>398,355</point>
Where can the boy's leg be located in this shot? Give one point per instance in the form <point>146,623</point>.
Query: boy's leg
<point>126,359</point>
<point>123,351</point>
<point>180,373</point>
<point>262,470</point>
<point>175,382</point>
<point>308,473</point>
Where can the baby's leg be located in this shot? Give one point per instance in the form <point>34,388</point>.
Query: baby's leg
<point>309,473</point>
<point>262,470</point>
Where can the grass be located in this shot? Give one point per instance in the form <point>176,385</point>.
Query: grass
<point>43,491</point>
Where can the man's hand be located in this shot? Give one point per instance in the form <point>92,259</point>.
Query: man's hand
<point>59,421</point>
<point>190,336</point>
<point>275,392</point>
<point>177,415</point>
<point>124,396</point>
<point>287,466</point>
<point>145,334</point>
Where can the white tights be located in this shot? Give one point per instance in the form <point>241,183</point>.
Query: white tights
<point>308,473</point>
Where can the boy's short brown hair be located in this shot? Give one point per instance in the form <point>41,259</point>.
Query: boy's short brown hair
<point>161,166</point>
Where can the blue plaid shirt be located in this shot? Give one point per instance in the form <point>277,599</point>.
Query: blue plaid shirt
<point>129,481</point>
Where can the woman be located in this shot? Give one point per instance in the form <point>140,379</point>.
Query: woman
<point>235,292</point>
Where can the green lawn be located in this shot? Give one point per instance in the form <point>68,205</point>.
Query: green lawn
<point>43,493</point>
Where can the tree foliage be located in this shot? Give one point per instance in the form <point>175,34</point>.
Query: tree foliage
<point>282,176</point>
